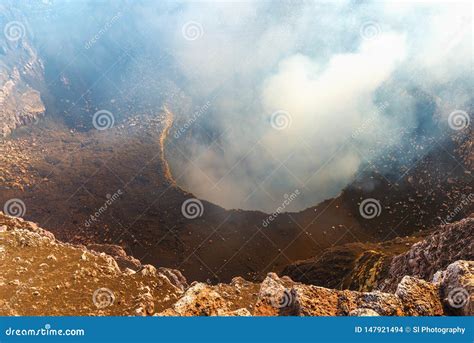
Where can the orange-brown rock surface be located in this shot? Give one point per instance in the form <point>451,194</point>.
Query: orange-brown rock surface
<point>40,275</point>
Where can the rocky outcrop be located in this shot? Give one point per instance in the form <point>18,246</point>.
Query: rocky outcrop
<point>314,271</point>
<point>283,297</point>
<point>40,275</point>
<point>123,260</point>
<point>235,299</point>
<point>21,73</point>
<point>382,266</point>
<point>355,266</point>
<point>449,243</point>
<point>175,277</point>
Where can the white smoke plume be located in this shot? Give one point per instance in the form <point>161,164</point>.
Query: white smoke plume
<point>301,93</point>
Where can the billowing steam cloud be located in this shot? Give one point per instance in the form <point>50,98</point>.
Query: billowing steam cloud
<point>338,80</point>
<point>287,95</point>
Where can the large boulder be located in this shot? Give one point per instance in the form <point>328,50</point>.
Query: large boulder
<point>419,297</point>
<point>457,288</point>
<point>200,299</point>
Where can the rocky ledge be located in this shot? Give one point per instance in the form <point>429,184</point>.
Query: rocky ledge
<point>40,275</point>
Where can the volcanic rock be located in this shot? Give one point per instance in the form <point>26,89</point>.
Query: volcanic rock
<point>449,243</point>
<point>457,287</point>
<point>81,281</point>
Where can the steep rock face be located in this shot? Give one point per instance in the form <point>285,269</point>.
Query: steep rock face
<point>369,266</point>
<point>21,73</point>
<point>368,270</point>
<point>355,266</point>
<point>314,271</point>
<point>42,276</point>
<point>449,243</point>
